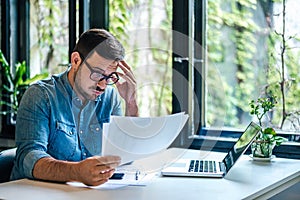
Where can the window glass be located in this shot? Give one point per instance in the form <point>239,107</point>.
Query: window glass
<point>49,39</point>
<point>244,51</point>
<point>144,27</point>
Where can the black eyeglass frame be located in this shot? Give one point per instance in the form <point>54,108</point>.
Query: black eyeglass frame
<point>103,76</point>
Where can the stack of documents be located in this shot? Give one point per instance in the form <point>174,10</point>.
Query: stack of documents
<point>133,138</point>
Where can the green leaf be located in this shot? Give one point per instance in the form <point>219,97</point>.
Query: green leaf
<point>35,78</point>
<point>270,131</point>
<point>20,73</point>
<point>14,88</point>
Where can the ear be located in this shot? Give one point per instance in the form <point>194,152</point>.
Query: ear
<point>75,59</point>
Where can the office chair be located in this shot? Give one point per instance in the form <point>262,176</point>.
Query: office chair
<point>6,163</point>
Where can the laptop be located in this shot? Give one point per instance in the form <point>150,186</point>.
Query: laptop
<point>214,168</point>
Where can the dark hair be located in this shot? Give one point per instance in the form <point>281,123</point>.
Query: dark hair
<point>101,41</point>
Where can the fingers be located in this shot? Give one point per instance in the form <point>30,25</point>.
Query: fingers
<point>101,178</point>
<point>124,66</point>
<point>128,74</point>
<point>98,169</point>
<point>106,174</point>
<point>108,162</point>
<point>127,89</point>
<point>108,159</point>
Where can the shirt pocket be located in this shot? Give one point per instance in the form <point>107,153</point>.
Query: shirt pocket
<point>94,140</point>
<point>64,143</point>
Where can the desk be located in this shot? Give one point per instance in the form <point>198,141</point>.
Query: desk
<point>246,180</point>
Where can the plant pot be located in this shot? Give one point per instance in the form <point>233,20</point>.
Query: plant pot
<point>262,149</point>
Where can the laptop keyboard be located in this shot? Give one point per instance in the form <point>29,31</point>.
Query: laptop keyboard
<point>208,166</point>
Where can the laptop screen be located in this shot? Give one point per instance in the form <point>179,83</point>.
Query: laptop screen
<point>241,145</point>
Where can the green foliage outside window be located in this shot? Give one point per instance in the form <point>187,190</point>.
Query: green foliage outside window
<point>14,85</point>
<point>242,48</point>
<point>277,73</point>
<point>124,15</point>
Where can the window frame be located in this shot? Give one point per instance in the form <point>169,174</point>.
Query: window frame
<point>6,127</point>
<point>15,35</point>
<point>180,101</point>
<point>14,45</point>
<point>203,137</point>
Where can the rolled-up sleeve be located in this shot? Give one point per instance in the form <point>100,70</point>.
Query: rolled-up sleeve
<point>29,161</point>
<point>46,124</point>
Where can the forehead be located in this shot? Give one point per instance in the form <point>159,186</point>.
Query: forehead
<point>100,63</point>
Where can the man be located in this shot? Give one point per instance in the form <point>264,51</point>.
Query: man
<point>59,121</point>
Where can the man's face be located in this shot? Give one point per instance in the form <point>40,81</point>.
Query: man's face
<point>84,86</point>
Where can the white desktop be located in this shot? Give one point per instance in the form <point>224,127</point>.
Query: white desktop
<point>247,180</point>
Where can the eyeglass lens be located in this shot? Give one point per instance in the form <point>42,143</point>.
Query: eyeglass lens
<point>110,79</point>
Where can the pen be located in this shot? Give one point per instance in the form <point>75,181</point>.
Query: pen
<point>137,173</point>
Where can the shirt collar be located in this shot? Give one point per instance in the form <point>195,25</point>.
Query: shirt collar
<point>67,84</point>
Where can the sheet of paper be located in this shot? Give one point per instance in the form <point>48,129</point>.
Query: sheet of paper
<point>133,177</point>
<point>115,184</point>
<point>133,138</point>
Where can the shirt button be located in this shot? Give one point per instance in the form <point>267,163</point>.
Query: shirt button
<point>84,154</point>
<point>97,129</point>
<point>81,132</point>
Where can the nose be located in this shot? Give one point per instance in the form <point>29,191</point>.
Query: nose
<point>102,84</point>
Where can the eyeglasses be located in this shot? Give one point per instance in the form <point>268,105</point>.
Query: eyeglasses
<point>96,76</point>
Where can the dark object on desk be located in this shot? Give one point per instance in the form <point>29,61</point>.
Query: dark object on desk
<point>137,174</point>
<point>6,163</point>
<point>117,176</point>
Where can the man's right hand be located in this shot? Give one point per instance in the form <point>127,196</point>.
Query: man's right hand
<point>97,170</point>
<point>91,171</point>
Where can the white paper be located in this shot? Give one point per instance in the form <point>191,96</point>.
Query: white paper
<point>133,138</point>
<point>115,184</point>
<point>129,179</point>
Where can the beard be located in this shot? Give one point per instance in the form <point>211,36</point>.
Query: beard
<point>81,92</point>
<point>88,92</point>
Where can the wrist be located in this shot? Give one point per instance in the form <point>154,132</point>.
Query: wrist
<point>132,108</point>
<point>75,172</point>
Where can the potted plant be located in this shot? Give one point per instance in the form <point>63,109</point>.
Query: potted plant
<point>267,139</point>
<point>13,86</point>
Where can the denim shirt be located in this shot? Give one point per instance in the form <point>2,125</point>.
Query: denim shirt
<point>53,122</point>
